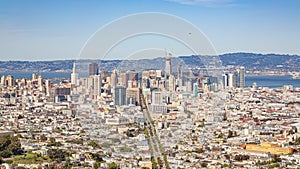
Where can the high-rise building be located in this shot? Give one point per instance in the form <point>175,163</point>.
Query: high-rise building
<point>172,83</point>
<point>47,86</point>
<point>40,83</point>
<point>104,75</point>
<point>168,68</point>
<point>34,77</point>
<point>235,79</point>
<point>242,76</point>
<point>10,80</point>
<point>74,75</point>
<point>94,85</point>
<point>3,80</point>
<point>230,80</point>
<point>195,89</point>
<point>224,80</point>
<point>157,98</point>
<point>114,78</point>
<point>120,96</point>
<point>124,79</point>
<point>133,96</point>
<point>93,69</point>
<point>179,76</point>
<point>133,78</point>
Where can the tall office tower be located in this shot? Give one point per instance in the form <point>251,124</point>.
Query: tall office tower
<point>93,69</point>
<point>157,97</point>
<point>133,96</point>
<point>189,85</point>
<point>124,79</point>
<point>242,77</point>
<point>230,80</point>
<point>120,96</point>
<point>114,78</point>
<point>224,80</point>
<point>47,87</point>
<point>145,74</point>
<point>179,76</point>
<point>74,75</point>
<point>145,83</point>
<point>97,85</point>
<point>158,73</point>
<point>3,80</point>
<point>133,76</point>
<point>40,83</point>
<point>40,80</point>
<point>168,68</point>
<point>34,77</point>
<point>10,80</point>
<point>195,89</point>
<point>235,79</point>
<point>104,75</point>
<point>172,83</point>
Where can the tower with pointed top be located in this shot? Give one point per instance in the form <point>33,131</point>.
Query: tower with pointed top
<point>168,68</point>
<point>74,75</point>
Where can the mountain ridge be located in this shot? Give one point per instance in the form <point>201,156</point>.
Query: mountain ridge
<point>252,61</point>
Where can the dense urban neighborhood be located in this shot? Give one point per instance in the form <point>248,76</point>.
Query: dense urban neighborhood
<point>148,119</point>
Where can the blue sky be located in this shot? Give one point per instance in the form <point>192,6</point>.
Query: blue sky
<point>50,30</point>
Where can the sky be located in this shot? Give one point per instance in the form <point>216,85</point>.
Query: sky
<point>58,30</point>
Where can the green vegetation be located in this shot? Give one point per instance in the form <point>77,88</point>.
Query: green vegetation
<point>10,145</point>
<point>57,155</point>
<point>154,164</point>
<point>224,165</point>
<point>297,141</point>
<point>112,165</point>
<point>240,157</point>
<point>94,144</point>
<point>97,157</point>
<point>43,138</point>
<point>276,165</point>
<point>54,143</point>
<point>166,162</point>
<point>76,141</point>
<point>30,158</point>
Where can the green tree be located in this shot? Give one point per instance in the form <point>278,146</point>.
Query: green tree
<point>57,154</point>
<point>112,165</point>
<point>94,144</point>
<point>43,137</point>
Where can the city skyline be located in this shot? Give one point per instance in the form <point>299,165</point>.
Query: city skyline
<point>34,30</point>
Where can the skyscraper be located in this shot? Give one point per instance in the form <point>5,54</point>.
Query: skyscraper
<point>168,68</point>
<point>230,80</point>
<point>179,76</point>
<point>242,77</point>
<point>235,79</point>
<point>114,78</point>
<point>93,69</point>
<point>74,75</point>
<point>224,80</point>
<point>172,83</point>
<point>195,89</point>
<point>133,96</point>
<point>120,96</point>
<point>157,98</point>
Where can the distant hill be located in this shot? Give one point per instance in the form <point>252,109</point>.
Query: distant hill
<point>251,61</point>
